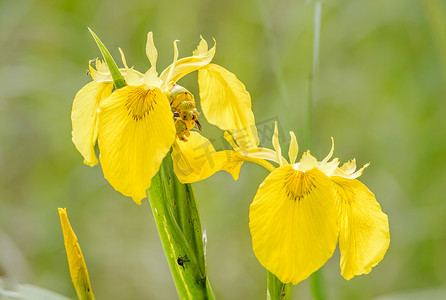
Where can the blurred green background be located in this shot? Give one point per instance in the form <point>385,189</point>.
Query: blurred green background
<point>379,91</point>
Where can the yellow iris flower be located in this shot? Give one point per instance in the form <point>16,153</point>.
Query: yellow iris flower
<point>302,209</point>
<point>134,125</point>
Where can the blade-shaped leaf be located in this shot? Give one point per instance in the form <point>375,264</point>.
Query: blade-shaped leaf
<point>118,79</point>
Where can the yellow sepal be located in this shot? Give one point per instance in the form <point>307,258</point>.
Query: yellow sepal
<point>76,262</point>
<point>226,103</point>
<point>364,229</point>
<point>197,159</point>
<point>84,118</point>
<point>293,223</point>
<point>179,68</point>
<point>136,130</point>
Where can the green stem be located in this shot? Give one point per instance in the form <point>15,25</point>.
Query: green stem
<point>175,210</point>
<point>317,288</point>
<point>276,290</point>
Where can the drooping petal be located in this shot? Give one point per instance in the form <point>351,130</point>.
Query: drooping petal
<point>363,227</point>
<point>197,159</point>
<point>226,103</point>
<point>84,118</point>
<point>185,66</point>
<point>293,223</point>
<point>76,262</point>
<point>136,130</point>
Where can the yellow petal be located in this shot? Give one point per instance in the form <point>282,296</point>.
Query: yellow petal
<point>226,103</point>
<point>197,159</point>
<point>276,144</point>
<point>347,170</point>
<point>257,154</point>
<point>330,154</point>
<point>136,130</point>
<point>293,150</point>
<point>175,59</point>
<point>201,48</point>
<point>185,66</point>
<point>293,223</point>
<point>76,262</point>
<point>134,77</point>
<point>101,73</point>
<point>124,61</point>
<point>349,167</point>
<point>84,118</point>
<point>151,52</point>
<point>363,228</point>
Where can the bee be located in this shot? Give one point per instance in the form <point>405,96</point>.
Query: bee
<point>183,104</point>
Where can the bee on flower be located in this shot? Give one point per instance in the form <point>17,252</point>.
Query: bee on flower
<point>302,209</point>
<point>136,125</point>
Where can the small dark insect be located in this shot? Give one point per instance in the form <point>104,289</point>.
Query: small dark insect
<point>182,260</point>
<point>88,72</point>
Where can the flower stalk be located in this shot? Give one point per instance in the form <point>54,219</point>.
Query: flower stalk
<point>176,214</point>
<point>276,289</point>
<point>177,218</point>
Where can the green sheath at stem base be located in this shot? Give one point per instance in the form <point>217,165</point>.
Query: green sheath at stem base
<point>276,290</point>
<point>176,214</point>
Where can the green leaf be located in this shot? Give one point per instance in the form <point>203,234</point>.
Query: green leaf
<point>118,79</point>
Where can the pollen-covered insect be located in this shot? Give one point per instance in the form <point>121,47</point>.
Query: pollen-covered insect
<point>186,114</point>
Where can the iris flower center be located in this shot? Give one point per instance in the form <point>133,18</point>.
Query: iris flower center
<point>140,102</point>
<point>298,185</point>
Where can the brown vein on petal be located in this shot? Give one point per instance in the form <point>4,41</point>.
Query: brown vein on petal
<point>140,102</point>
<point>298,185</point>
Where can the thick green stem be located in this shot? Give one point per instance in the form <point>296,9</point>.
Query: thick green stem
<point>175,210</point>
<point>276,290</point>
<point>316,280</point>
<point>317,288</point>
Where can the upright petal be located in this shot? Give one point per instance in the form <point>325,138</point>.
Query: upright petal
<point>293,150</point>
<point>226,103</point>
<point>197,159</point>
<point>76,262</point>
<point>151,52</point>
<point>136,130</point>
<point>363,227</point>
<point>276,144</point>
<point>185,66</point>
<point>293,223</point>
<point>84,118</point>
